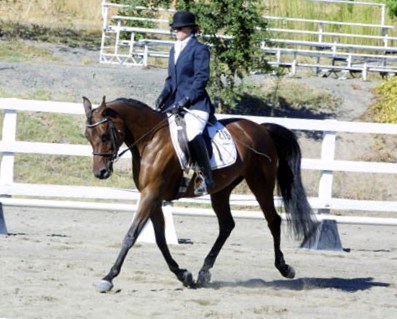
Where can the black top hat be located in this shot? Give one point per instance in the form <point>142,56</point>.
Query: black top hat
<point>183,19</point>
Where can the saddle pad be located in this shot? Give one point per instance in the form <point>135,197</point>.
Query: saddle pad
<point>224,152</point>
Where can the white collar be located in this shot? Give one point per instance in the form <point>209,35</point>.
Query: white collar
<point>184,42</point>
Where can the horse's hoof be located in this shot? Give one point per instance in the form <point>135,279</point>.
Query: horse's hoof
<point>204,278</point>
<point>289,273</point>
<point>104,286</point>
<point>186,278</point>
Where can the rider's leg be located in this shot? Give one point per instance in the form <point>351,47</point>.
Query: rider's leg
<point>195,124</point>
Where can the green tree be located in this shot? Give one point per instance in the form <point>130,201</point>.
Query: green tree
<point>391,6</point>
<point>235,30</point>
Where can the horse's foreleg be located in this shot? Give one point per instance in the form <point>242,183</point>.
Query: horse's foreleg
<point>141,217</point>
<point>220,204</point>
<point>183,275</point>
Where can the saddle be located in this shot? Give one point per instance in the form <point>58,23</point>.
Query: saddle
<point>220,144</point>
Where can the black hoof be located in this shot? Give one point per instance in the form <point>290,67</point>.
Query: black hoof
<point>204,278</point>
<point>287,271</point>
<point>186,278</point>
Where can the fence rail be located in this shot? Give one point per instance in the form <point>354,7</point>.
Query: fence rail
<point>333,52</point>
<point>326,164</point>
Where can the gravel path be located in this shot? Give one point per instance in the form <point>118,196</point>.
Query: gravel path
<point>78,73</point>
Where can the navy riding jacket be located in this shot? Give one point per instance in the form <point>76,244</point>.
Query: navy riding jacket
<point>188,77</point>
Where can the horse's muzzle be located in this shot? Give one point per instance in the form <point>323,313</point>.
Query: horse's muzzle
<point>104,173</point>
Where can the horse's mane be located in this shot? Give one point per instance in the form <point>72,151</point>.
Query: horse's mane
<point>131,102</point>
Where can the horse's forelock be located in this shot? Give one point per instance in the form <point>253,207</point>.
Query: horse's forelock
<point>90,116</point>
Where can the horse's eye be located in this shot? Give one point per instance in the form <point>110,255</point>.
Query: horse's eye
<point>105,137</point>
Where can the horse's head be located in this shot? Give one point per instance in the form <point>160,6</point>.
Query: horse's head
<point>105,131</point>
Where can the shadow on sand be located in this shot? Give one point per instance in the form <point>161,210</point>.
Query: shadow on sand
<point>343,284</point>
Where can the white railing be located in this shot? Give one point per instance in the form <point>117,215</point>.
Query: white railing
<point>329,53</point>
<point>11,190</point>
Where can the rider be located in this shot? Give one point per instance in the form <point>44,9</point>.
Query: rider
<point>188,74</point>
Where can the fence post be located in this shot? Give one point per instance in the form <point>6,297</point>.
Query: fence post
<point>116,45</point>
<point>326,236</point>
<point>326,179</point>
<point>3,227</point>
<point>104,26</point>
<point>7,160</point>
<point>147,233</point>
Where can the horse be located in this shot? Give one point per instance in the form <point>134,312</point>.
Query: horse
<point>268,155</point>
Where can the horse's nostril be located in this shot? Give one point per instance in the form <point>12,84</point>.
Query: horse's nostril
<point>102,174</point>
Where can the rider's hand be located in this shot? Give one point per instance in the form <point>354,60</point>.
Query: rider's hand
<point>181,104</point>
<point>159,104</point>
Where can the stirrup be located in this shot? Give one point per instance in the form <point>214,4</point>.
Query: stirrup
<point>200,187</point>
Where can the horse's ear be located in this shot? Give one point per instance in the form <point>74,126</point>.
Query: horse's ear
<point>103,101</point>
<point>87,106</point>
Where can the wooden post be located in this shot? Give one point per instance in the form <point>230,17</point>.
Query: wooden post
<point>3,227</point>
<point>7,160</point>
<point>326,236</point>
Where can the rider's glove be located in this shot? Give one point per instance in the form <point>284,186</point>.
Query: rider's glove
<point>181,104</point>
<point>159,104</point>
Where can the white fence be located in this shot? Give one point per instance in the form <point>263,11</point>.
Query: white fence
<point>12,191</point>
<point>326,52</point>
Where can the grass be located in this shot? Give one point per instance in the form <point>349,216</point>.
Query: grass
<point>67,170</point>
<point>329,12</point>
<point>18,51</point>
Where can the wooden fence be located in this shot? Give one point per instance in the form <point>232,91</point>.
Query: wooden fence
<point>14,193</point>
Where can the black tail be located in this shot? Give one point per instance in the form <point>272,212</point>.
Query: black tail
<point>299,212</point>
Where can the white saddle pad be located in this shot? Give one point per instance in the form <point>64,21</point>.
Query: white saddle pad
<point>224,151</point>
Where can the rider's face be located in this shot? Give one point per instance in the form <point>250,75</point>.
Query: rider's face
<point>182,33</point>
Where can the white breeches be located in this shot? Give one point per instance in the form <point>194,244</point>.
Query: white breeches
<point>195,123</point>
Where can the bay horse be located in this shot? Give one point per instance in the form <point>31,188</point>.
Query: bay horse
<point>266,153</point>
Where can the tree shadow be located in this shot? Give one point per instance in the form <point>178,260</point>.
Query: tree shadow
<point>343,284</point>
<point>258,106</point>
<point>255,105</point>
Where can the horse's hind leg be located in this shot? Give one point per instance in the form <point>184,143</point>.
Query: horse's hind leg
<point>183,275</point>
<point>220,204</point>
<point>263,192</point>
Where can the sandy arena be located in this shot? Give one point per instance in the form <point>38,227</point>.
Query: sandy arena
<point>53,258</point>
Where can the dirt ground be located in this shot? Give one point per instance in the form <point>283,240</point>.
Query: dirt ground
<point>53,258</point>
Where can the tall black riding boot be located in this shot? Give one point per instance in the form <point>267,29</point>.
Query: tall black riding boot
<point>200,155</point>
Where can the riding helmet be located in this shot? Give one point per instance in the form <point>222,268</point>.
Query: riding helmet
<point>183,19</point>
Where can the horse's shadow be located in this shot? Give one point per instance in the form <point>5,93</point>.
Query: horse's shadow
<point>343,284</point>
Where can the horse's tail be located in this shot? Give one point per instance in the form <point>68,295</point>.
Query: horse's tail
<point>289,180</point>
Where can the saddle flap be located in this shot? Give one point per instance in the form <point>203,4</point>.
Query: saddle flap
<point>223,148</point>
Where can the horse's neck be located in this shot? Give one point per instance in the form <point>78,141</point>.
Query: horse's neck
<point>138,119</point>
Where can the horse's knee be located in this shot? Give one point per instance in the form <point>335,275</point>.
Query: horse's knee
<point>227,228</point>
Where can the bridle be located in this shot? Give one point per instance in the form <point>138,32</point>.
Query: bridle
<point>114,156</point>
<point>113,137</point>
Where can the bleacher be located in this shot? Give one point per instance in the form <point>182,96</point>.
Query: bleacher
<point>327,53</point>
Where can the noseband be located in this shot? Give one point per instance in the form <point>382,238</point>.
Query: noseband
<point>113,137</point>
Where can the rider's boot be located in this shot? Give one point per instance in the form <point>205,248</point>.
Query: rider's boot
<point>200,155</point>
